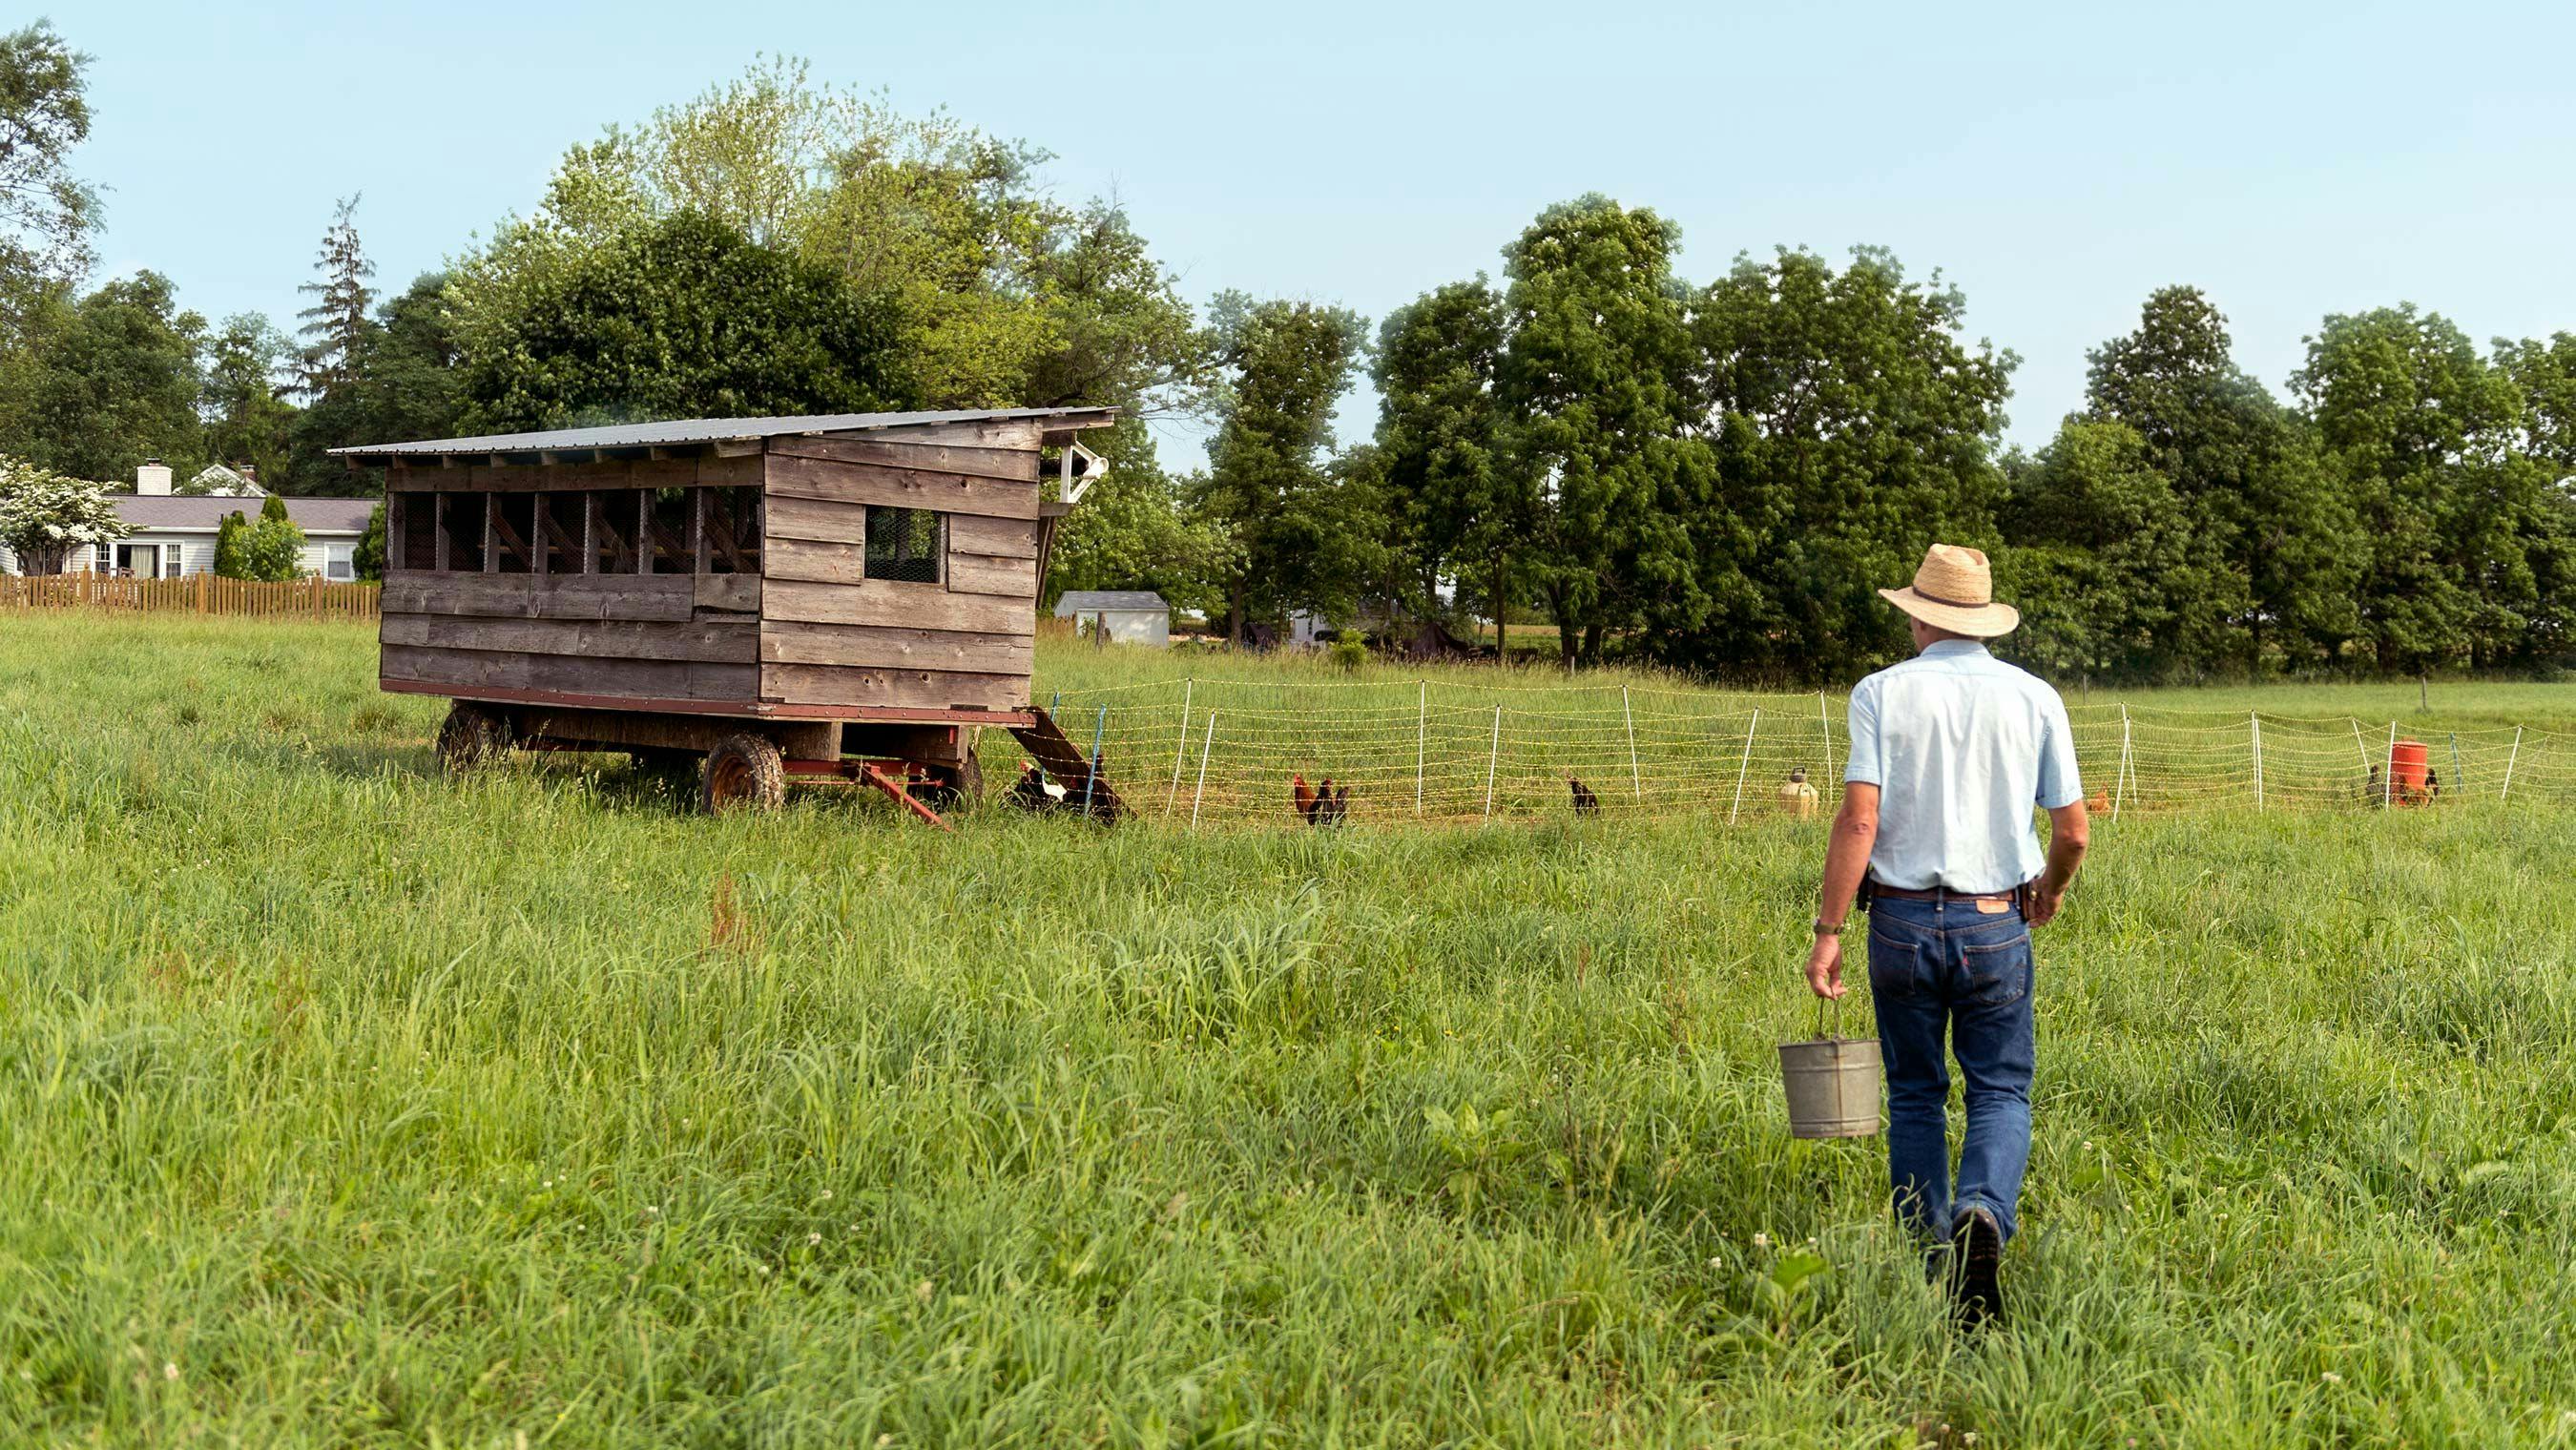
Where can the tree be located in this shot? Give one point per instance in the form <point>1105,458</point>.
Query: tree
<point>1305,541</point>
<point>683,318</point>
<point>2100,596</point>
<point>44,516</point>
<point>1595,383</point>
<point>367,560</point>
<point>1451,494</point>
<point>1853,426</point>
<point>46,213</point>
<point>271,549</point>
<point>228,546</point>
<point>246,420</point>
<point>404,381</point>
<point>336,323</point>
<point>2423,434</point>
<point>110,380</point>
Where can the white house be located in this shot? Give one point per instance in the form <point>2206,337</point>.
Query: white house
<point>168,536</point>
<point>1125,616</point>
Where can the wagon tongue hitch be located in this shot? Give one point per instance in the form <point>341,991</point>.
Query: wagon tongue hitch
<point>869,773</point>
<point>1046,742</point>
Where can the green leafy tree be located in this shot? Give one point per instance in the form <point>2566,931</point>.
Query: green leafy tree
<point>1305,540</point>
<point>47,214</point>
<point>367,560</point>
<point>1456,505</point>
<point>683,318</point>
<point>404,381</point>
<point>247,421</point>
<point>2121,537</point>
<point>109,381</point>
<point>1595,386</point>
<point>45,517</point>
<point>228,546</point>
<point>272,549</point>
<point>1853,426</point>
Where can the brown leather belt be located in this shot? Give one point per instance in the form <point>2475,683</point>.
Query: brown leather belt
<point>1936,893</point>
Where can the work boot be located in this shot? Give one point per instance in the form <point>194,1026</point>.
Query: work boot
<point>1976,1256</point>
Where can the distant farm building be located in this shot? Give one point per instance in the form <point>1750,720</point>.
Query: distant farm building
<point>1122,616</point>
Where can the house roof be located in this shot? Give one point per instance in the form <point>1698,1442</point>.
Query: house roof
<point>710,430</point>
<point>312,515</point>
<point>1083,601</point>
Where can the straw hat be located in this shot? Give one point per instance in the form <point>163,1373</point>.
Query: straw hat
<point>1954,590</point>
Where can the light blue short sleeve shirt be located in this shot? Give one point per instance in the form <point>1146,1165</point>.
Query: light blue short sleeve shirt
<point>1960,746</point>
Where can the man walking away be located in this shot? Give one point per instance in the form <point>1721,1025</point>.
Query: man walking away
<point>1949,752</point>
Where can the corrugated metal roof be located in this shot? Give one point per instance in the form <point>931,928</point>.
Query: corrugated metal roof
<point>1084,601</point>
<point>312,515</point>
<point>692,430</point>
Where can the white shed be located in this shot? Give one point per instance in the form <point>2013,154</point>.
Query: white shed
<point>1125,616</point>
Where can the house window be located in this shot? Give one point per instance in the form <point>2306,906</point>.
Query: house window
<point>419,530</point>
<point>464,520</point>
<point>733,530</point>
<point>337,562</point>
<point>170,565</point>
<point>905,545</point>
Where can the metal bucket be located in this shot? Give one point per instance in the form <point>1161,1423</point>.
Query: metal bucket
<point>1833,1082</point>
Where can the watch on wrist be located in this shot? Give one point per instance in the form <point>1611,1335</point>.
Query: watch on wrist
<point>1826,928</point>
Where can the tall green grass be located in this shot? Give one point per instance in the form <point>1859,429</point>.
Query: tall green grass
<point>346,1105</point>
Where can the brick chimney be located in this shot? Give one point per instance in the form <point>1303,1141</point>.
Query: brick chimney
<point>152,480</point>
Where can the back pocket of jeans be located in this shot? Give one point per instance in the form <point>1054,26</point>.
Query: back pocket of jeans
<point>1896,968</point>
<point>1997,975</point>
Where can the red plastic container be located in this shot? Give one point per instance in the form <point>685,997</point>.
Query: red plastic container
<point>2407,762</point>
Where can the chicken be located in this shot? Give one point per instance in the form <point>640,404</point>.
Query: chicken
<point>1331,805</point>
<point>1585,802</point>
<point>1033,791</point>
<point>1302,796</point>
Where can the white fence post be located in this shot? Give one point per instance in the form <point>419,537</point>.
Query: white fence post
<point>2388,778</point>
<point>2120,776</point>
<point>1747,764</point>
<point>1201,792</point>
<point>1493,754</point>
<point>1180,747</point>
<point>1421,734</point>
<point>2510,757</point>
<point>1636,783</point>
<point>1825,721</point>
<point>2256,722</point>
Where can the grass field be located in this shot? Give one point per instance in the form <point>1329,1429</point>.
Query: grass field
<point>345,1105</point>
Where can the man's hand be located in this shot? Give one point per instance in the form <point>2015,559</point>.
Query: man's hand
<point>2044,902</point>
<point>1825,968</point>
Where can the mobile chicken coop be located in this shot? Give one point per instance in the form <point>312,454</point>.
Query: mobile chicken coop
<point>850,596</point>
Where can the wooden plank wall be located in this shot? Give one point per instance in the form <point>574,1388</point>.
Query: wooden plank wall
<point>829,636</point>
<point>643,636</point>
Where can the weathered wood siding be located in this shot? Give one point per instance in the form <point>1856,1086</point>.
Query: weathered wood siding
<point>831,636</point>
<point>640,636</point>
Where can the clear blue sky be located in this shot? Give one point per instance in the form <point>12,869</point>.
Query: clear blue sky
<point>2055,161</point>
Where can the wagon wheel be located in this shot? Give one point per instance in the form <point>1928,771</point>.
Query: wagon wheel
<point>471,737</point>
<point>743,771</point>
<point>946,787</point>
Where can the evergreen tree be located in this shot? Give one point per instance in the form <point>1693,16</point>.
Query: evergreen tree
<point>229,563</point>
<point>336,323</point>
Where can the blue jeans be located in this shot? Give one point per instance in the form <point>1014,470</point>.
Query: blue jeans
<point>1941,968</point>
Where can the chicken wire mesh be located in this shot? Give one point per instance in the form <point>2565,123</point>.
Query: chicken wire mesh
<point>1222,752</point>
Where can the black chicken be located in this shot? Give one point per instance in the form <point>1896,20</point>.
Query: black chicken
<point>1585,802</point>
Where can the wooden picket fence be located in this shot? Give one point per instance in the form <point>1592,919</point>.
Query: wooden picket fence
<point>193,594</point>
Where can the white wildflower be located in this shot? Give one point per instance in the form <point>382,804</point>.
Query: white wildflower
<point>169,1371</point>
<point>1762,1241</point>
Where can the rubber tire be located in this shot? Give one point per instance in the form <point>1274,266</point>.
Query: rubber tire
<point>743,772</point>
<point>951,786</point>
<point>471,738</point>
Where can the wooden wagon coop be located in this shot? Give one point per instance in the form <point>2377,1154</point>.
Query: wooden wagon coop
<point>847,597</point>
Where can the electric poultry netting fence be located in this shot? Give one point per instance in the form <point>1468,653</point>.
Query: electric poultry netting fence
<point>1221,752</point>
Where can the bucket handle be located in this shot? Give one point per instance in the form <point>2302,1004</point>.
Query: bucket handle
<point>1820,1019</point>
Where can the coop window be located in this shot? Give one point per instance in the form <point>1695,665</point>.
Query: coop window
<point>613,517</point>
<point>419,524</point>
<point>558,536</point>
<point>673,521</point>
<point>733,530</point>
<point>514,532</point>
<point>906,545</point>
<point>461,514</point>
